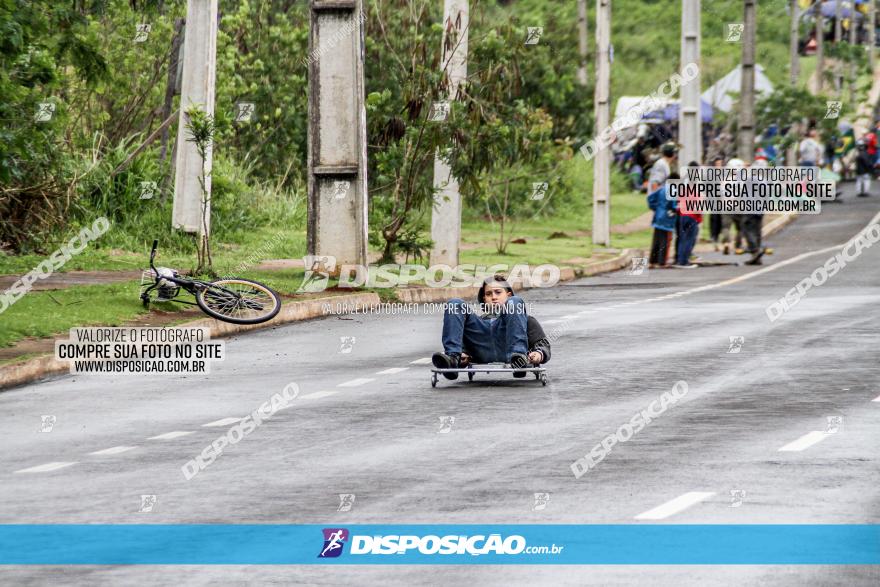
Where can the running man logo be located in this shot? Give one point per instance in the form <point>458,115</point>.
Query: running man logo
<point>541,501</point>
<point>340,189</point>
<point>318,269</point>
<point>45,110</point>
<point>737,496</point>
<point>832,109</point>
<point>735,32</point>
<point>736,344</point>
<point>142,32</point>
<point>148,502</point>
<point>439,111</point>
<point>834,424</point>
<point>446,423</point>
<point>346,501</point>
<point>334,540</point>
<point>639,264</point>
<point>346,344</point>
<point>533,34</point>
<point>244,111</point>
<point>539,190</point>
<point>47,423</point>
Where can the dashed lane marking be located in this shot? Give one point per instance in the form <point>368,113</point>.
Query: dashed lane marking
<point>355,382</point>
<point>805,441</point>
<point>392,371</point>
<point>47,467</point>
<point>425,361</point>
<point>171,435</point>
<point>674,506</point>
<point>223,422</point>
<point>113,450</point>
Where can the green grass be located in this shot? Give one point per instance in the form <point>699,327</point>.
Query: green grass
<point>254,246</point>
<point>575,217</point>
<point>44,313</point>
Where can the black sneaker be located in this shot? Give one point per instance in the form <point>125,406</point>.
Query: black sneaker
<point>444,361</point>
<point>519,360</point>
<point>756,259</point>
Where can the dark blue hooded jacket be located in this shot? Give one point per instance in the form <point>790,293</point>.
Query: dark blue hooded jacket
<point>664,210</point>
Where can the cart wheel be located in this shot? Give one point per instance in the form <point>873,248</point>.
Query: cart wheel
<point>537,375</point>
<point>544,379</point>
<point>434,380</point>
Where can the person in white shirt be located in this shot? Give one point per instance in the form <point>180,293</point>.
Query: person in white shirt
<point>810,150</point>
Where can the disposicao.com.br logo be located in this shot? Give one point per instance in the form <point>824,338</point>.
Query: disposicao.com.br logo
<point>319,269</point>
<point>476,545</point>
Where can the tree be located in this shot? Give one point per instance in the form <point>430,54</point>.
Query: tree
<point>201,128</point>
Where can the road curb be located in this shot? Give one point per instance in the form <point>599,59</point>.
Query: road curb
<point>38,367</point>
<point>777,225</point>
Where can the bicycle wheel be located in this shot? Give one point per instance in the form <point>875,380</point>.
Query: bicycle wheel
<point>240,301</point>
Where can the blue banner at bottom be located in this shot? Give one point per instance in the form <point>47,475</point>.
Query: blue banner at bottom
<point>491,544</point>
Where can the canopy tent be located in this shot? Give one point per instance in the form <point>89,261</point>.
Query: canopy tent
<point>670,112</point>
<point>667,111</point>
<point>718,96</point>
<point>626,103</point>
<point>829,9</point>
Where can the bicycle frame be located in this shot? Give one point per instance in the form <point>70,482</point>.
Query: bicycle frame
<point>192,286</point>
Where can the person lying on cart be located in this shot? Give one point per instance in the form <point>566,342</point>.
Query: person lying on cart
<point>498,331</point>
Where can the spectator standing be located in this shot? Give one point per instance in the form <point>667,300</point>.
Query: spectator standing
<point>663,223</point>
<point>689,230</point>
<point>751,225</point>
<point>810,150</point>
<point>864,168</point>
<point>715,219</point>
<point>662,167</point>
<point>728,220</point>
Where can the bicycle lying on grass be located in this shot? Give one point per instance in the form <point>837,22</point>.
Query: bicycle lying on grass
<point>231,299</point>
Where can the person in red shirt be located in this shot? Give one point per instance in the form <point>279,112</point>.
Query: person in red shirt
<point>870,139</point>
<point>689,230</point>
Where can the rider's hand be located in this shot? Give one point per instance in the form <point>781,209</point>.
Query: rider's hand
<point>536,357</point>
<point>464,359</point>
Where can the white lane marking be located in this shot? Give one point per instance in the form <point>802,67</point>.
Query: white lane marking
<point>805,441</point>
<point>553,321</point>
<point>355,382</point>
<point>170,435</point>
<point>746,276</point>
<point>569,317</point>
<point>113,450</point>
<point>223,422</point>
<point>318,394</point>
<point>425,361</point>
<point>673,506</point>
<point>392,371</point>
<point>876,399</point>
<point>47,467</point>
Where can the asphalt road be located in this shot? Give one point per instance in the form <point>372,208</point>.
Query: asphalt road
<point>368,423</point>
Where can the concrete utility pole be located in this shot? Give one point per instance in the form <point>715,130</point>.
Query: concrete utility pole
<point>838,36</point>
<point>582,42</point>
<point>872,32</point>
<point>337,144</point>
<point>852,42</point>
<point>690,118</point>
<point>746,145</point>
<point>602,159</point>
<point>446,214</point>
<point>197,88</point>
<point>820,51</point>
<point>795,66</point>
